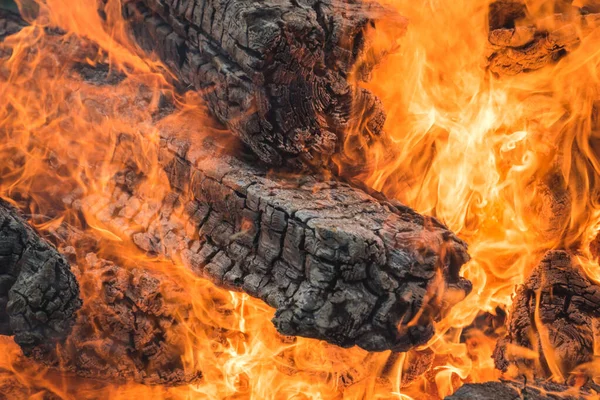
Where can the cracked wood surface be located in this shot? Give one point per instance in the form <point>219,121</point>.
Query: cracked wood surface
<point>511,390</point>
<point>555,314</point>
<point>279,74</point>
<point>336,263</point>
<point>127,328</point>
<point>39,294</point>
<point>525,37</point>
<point>364,266</point>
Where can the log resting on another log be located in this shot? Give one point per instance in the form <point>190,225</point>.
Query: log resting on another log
<point>554,321</point>
<point>277,73</point>
<point>525,39</point>
<point>335,262</point>
<point>39,295</point>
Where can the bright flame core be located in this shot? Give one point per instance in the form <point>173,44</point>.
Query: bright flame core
<point>509,164</point>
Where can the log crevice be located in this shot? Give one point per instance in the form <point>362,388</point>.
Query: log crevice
<point>336,263</point>
<point>278,74</point>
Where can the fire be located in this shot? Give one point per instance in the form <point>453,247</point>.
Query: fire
<point>509,164</point>
<point>480,153</point>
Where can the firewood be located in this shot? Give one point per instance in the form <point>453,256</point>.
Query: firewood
<point>127,328</point>
<point>524,39</point>
<point>39,295</point>
<point>567,306</point>
<point>504,390</point>
<point>279,74</point>
<point>335,262</point>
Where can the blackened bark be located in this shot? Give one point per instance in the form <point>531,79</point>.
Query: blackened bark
<point>277,73</point>
<point>554,313</point>
<point>39,295</point>
<point>525,39</point>
<point>509,390</point>
<point>127,328</point>
<point>335,262</point>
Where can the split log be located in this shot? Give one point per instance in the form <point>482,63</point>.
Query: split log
<point>335,262</point>
<point>277,73</point>
<point>525,38</point>
<point>39,295</point>
<point>510,390</point>
<point>554,321</point>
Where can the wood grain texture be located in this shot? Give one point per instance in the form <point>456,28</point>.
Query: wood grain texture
<point>555,311</point>
<point>525,39</point>
<point>279,74</point>
<point>39,294</point>
<point>335,262</point>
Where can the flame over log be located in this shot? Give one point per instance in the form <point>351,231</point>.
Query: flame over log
<point>128,327</point>
<point>113,293</point>
<point>525,36</point>
<point>553,326</point>
<point>336,263</point>
<point>182,158</point>
<point>277,73</point>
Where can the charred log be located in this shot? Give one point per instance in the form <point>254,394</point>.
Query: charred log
<point>526,38</point>
<point>505,390</point>
<point>555,316</point>
<point>336,263</point>
<point>277,73</point>
<point>39,295</point>
<point>127,328</point>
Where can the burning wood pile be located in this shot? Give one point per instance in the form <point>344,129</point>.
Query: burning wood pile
<point>207,199</point>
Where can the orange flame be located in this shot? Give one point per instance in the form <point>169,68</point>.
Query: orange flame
<point>510,164</point>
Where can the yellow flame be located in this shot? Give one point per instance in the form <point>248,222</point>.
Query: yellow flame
<point>510,164</point>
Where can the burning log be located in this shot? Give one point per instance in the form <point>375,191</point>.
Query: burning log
<point>503,390</point>
<point>525,39</point>
<point>278,74</point>
<point>336,263</point>
<point>127,328</point>
<point>10,23</point>
<point>38,292</point>
<point>554,321</point>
